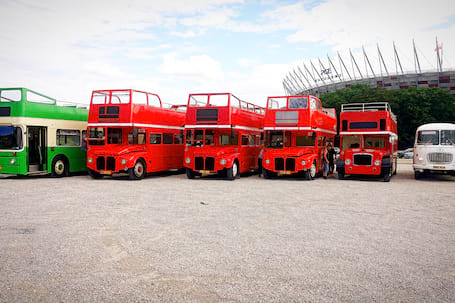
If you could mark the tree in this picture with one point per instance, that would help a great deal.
(413, 107)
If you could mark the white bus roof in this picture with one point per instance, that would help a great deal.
(436, 126)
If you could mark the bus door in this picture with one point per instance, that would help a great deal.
(37, 151)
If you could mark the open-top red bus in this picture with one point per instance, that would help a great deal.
(132, 132)
(296, 130)
(368, 140)
(223, 135)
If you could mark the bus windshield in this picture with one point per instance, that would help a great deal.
(447, 137)
(428, 137)
(374, 141)
(353, 141)
(10, 137)
(201, 137)
(96, 136)
(274, 139)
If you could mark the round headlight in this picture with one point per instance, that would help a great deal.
(90, 160)
(347, 161)
(267, 161)
(222, 161)
(187, 160)
(377, 162)
(123, 161)
(303, 162)
(12, 161)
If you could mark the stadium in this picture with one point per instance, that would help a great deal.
(338, 73)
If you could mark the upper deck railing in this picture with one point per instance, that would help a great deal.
(222, 100)
(368, 107)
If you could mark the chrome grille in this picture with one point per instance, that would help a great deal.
(440, 157)
(362, 159)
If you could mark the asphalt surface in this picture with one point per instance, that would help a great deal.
(170, 239)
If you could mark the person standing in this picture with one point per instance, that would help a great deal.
(331, 157)
(325, 161)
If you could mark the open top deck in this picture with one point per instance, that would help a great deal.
(128, 107)
(222, 110)
(303, 112)
(375, 117)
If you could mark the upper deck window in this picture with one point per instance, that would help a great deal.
(121, 97)
(430, 137)
(313, 104)
(219, 100)
(33, 97)
(154, 100)
(100, 98)
(277, 103)
(139, 98)
(198, 100)
(11, 95)
(300, 102)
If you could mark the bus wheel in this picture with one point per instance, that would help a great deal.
(233, 172)
(311, 173)
(268, 174)
(417, 175)
(190, 174)
(396, 165)
(94, 174)
(387, 174)
(138, 171)
(341, 174)
(59, 167)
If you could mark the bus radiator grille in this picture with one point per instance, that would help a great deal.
(440, 157)
(362, 159)
(290, 164)
(199, 163)
(100, 163)
(110, 165)
(279, 164)
(209, 163)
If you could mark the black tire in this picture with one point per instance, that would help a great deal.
(60, 167)
(138, 171)
(396, 165)
(341, 174)
(190, 174)
(94, 174)
(417, 175)
(268, 174)
(311, 173)
(233, 172)
(387, 174)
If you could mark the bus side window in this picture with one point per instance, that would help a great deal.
(167, 138)
(84, 141)
(244, 140)
(178, 139)
(155, 138)
(287, 139)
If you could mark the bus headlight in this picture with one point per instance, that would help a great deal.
(303, 162)
(187, 160)
(123, 161)
(12, 161)
(222, 161)
(347, 161)
(90, 160)
(267, 161)
(377, 162)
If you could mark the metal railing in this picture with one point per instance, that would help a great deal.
(368, 107)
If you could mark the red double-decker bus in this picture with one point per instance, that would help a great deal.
(296, 130)
(368, 140)
(223, 135)
(132, 132)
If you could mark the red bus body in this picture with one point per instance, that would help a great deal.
(296, 130)
(223, 135)
(130, 131)
(368, 140)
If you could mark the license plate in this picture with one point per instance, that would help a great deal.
(106, 172)
(204, 172)
(440, 167)
(284, 172)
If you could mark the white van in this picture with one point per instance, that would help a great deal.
(434, 149)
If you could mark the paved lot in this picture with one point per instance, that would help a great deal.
(167, 238)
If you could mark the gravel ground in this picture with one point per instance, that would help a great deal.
(169, 239)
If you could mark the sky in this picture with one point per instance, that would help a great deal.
(67, 49)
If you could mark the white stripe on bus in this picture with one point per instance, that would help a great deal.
(223, 126)
(133, 125)
(300, 128)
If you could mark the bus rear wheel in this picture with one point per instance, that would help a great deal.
(59, 167)
(233, 172)
(138, 171)
(94, 174)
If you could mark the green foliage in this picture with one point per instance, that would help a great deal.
(413, 107)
